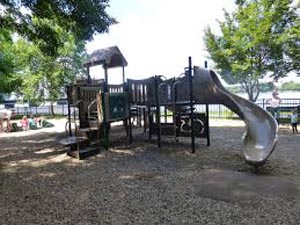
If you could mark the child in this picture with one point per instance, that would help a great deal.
(294, 120)
(25, 123)
(38, 121)
(33, 123)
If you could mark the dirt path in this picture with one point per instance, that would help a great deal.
(141, 184)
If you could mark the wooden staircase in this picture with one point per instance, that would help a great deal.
(85, 140)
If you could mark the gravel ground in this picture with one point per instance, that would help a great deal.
(141, 184)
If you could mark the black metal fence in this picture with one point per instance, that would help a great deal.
(286, 105)
(215, 111)
(222, 112)
(60, 110)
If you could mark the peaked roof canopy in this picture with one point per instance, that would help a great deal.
(110, 57)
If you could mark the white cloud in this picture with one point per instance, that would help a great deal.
(157, 36)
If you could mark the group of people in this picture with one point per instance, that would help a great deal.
(275, 110)
(31, 123)
(26, 123)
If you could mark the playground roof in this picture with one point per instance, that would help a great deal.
(110, 57)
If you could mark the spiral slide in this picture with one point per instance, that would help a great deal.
(260, 137)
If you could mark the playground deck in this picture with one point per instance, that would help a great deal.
(141, 184)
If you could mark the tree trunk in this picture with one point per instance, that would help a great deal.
(51, 109)
(252, 91)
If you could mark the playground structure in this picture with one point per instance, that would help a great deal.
(96, 105)
(100, 104)
(149, 97)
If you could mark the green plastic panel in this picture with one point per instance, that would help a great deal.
(116, 106)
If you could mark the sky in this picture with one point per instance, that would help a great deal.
(157, 36)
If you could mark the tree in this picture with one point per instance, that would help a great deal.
(253, 43)
(45, 76)
(293, 47)
(9, 80)
(290, 86)
(82, 18)
(34, 20)
(266, 87)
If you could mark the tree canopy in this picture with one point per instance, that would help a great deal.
(44, 76)
(83, 18)
(43, 43)
(290, 86)
(258, 39)
(9, 79)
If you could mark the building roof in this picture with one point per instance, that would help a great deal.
(110, 57)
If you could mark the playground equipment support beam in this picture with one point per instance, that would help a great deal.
(207, 115)
(207, 125)
(69, 113)
(191, 103)
(129, 125)
(105, 78)
(123, 74)
(174, 110)
(157, 111)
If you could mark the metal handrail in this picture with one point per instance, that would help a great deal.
(89, 107)
(75, 104)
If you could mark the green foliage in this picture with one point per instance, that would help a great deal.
(50, 50)
(293, 47)
(1, 99)
(254, 41)
(290, 86)
(9, 81)
(82, 18)
(234, 89)
(266, 87)
(5, 57)
(44, 75)
(28, 70)
(263, 87)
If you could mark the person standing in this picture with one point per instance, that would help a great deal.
(275, 102)
(25, 123)
(294, 120)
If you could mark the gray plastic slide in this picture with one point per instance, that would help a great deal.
(260, 137)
